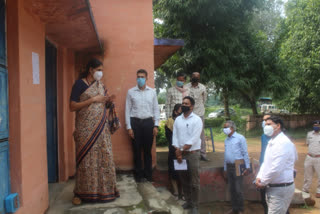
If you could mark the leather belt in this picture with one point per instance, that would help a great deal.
(280, 185)
(140, 120)
(190, 152)
(314, 156)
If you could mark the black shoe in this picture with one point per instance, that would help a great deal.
(186, 206)
(204, 158)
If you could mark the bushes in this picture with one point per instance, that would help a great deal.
(214, 122)
(161, 137)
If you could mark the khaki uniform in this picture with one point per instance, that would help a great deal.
(312, 163)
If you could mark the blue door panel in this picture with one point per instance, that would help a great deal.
(4, 174)
(4, 125)
(2, 34)
(51, 108)
(4, 117)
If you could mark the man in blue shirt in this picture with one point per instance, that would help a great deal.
(235, 149)
(264, 142)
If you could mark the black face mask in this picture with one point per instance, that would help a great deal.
(194, 80)
(185, 109)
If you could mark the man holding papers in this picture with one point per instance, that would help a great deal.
(235, 147)
(186, 139)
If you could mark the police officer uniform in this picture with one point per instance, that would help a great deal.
(312, 161)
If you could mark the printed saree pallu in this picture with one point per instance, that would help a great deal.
(95, 176)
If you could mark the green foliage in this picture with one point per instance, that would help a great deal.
(224, 42)
(214, 122)
(300, 50)
(161, 137)
(162, 98)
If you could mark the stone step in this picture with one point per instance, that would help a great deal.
(302, 198)
(159, 201)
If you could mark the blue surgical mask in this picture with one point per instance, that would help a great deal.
(263, 124)
(141, 81)
(179, 83)
(316, 128)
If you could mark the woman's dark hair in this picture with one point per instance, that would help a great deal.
(175, 108)
(93, 63)
(277, 120)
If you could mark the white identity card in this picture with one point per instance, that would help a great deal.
(180, 166)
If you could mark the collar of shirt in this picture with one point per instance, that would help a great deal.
(138, 89)
(273, 140)
(186, 118)
(233, 135)
(314, 132)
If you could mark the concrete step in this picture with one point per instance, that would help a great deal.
(302, 198)
(159, 200)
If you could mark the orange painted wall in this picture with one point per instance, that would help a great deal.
(27, 109)
(126, 28)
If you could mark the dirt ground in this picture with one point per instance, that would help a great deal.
(254, 148)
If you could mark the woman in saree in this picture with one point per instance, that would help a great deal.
(95, 120)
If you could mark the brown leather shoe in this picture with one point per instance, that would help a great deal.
(317, 195)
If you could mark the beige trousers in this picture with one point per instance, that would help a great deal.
(311, 165)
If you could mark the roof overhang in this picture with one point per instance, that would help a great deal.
(68, 23)
(164, 49)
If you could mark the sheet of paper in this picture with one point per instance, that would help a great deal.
(35, 68)
(180, 166)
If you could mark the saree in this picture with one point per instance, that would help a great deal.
(95, 174)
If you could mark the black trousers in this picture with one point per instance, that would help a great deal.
(263, 200)
(235, 188)
(173, 174)
(143, 139)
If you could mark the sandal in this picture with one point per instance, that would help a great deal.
(76, 201)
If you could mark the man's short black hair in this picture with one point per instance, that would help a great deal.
(190, 99)
(277, 120)
(180, 74)
(142, 71)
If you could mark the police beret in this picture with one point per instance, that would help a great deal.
(316, 122)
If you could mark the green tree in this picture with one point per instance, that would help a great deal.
(300, 50)
(222, 43)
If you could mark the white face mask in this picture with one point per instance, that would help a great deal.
(268, 130)
(97, 75)
(263, 124)
(227, 131)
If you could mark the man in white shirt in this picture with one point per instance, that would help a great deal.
(198, 92)
(186, 139)
(277, 171)
(142, 120)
